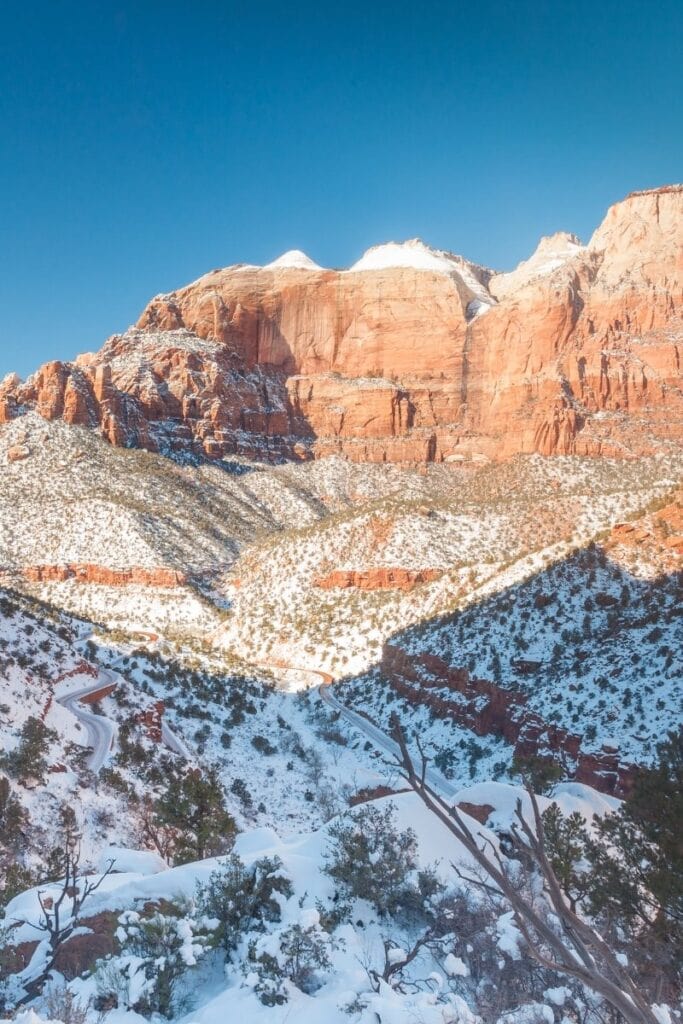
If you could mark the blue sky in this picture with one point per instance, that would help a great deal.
(146, 143)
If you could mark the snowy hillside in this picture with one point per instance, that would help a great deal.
(315, 953)
(478, 535)
(202, 670)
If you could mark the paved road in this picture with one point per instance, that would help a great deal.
(434, 779)
(101, 731)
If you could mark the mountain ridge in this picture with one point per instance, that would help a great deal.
(413, 355)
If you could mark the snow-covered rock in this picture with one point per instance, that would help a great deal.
(293, 259)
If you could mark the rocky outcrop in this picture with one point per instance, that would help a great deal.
(376, 579)
(151, 720)
(17, 453)
(410, 356)
(480, 812)
(94, 939)
(83, 572)
(491, 710)
(82, 668)
(658, 535)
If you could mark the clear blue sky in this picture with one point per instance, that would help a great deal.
(145, 143)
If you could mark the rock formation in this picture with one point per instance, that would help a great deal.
(410, 356)
(376, 579)
(103, 575)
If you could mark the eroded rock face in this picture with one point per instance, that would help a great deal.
(376, 579)
(18, 452)
(659, 535)
(410, 356)
(103, 575)
(491, 710)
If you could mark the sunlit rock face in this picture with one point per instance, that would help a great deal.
(412, 355)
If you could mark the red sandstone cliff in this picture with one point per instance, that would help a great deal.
(88, 573)
(490, 710)
(410, 356)
(376, 579)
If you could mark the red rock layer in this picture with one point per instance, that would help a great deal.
(17, 453)
(151, 720)
(490, 710)
(95, 695)
(579, 355)
(376, 579)
(88, 573)
(659, 536)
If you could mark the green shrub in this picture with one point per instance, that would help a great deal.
(241, 899)
(302, 955)
(371, 859)
(162, 946)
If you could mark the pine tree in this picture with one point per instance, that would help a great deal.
(28, 760)
(565, 839)
(636, 858)
(193, 807)
(14, 826)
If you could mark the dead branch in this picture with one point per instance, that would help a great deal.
(576, 950)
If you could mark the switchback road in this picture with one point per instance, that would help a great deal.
(101, 731)
(434, 779)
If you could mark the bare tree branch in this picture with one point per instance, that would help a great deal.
(577, 951)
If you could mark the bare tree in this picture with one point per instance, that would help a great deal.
(570, 946)
(60, 914)
(395, 964)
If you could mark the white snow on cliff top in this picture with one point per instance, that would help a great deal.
(293, 259)
(552, 252)
(413, 254)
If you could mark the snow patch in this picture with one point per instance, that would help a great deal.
(293, 259)
(413, 254)
(455, 966)
(142, 862)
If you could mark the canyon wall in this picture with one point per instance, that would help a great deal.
(410, 356)
(491, 710)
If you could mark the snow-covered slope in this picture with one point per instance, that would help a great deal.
(444, 981)
(552, 252)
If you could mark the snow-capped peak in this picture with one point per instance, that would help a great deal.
(293, 259)
(413, 254)
(551, 253)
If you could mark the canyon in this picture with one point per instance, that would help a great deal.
(450, 496)
(410, 356)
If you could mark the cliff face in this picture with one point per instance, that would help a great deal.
(409, 356)
(490, 710)
(376, 579)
